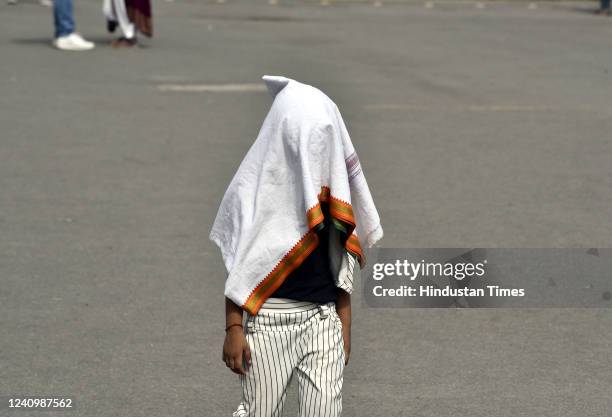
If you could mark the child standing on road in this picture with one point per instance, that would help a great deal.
(291, 228)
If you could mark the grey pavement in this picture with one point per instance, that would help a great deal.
(476, 127)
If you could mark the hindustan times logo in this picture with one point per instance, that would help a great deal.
(414, 270)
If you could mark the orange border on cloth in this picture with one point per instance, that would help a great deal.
(290, 262)
(339, 209)
(342, 210)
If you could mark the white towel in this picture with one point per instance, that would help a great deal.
(303, 155)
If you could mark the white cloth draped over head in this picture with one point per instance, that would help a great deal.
(303, 158)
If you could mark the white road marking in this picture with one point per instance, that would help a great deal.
(475, 108)
(168, 78)
(211, 88)
(511, 108)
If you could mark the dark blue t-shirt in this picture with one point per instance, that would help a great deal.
(313, 280)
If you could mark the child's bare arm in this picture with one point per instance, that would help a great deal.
(235, 346)
(343, 307)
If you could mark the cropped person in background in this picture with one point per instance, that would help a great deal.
(66, 38)
(132, 17)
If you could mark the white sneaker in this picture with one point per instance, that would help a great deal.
(73, 42)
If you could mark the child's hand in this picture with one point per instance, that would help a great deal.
(346, 336)
(343, 308)
(235, 348)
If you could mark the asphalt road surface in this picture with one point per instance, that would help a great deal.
(477, 126)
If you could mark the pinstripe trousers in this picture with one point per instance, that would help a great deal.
(287, 339)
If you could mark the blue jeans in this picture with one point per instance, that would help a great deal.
(63, 17)
(605, 4)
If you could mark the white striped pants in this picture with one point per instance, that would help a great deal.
(287, 338)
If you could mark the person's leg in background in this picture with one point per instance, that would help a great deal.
(604, 7)
(111, 18)
(125, 24)
(66, 38)
(63, 17)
